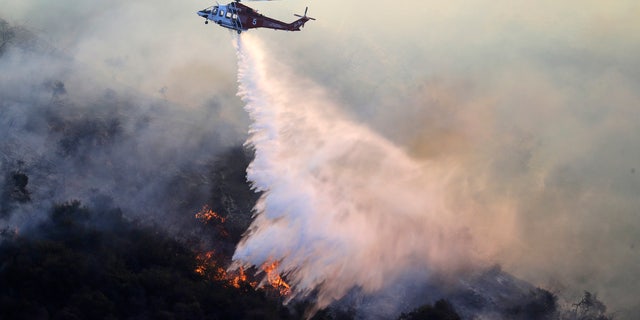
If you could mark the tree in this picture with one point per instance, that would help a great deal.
(588, 308)
(6, 35)
(441, 310)
(85, 263)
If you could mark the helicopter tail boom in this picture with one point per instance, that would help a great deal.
(296, 25)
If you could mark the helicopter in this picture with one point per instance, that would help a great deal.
(239, 17)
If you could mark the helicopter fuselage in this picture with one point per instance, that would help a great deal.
(239, 17)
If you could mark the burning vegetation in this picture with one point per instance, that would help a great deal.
(274, 280)
(211, 264)
(207, 216)
(86, 263)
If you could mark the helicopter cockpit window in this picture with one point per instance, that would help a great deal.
(215, 10)
(222, 13)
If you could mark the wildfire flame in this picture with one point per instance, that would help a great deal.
(275, 280)
(207, 215)
(240, 278)
(209, 263)
(208, 266)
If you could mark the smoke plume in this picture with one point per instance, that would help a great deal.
(69, 134)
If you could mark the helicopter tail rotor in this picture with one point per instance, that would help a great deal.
(305, 14)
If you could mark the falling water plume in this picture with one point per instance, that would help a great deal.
(341, 206)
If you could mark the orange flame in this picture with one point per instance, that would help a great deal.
(208, 266)
(208, 263)
(207, 215)
(240, 278)
(274, 279)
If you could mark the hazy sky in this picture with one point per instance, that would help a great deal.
(535, 103)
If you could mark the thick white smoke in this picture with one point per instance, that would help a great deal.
(342, 207)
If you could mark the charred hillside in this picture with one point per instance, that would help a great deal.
(84, 263)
